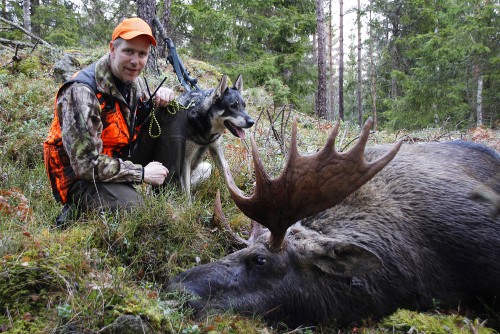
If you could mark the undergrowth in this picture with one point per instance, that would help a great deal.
(82, 278)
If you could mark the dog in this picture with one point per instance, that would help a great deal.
(210, 112)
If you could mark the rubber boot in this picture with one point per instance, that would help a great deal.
(68, 213)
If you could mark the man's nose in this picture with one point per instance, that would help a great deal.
(134, 59)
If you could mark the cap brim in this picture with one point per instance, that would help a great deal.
(132, 34)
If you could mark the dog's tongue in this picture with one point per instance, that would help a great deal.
(240, 132)
(235, 130)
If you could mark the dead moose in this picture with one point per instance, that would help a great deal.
(357, 235)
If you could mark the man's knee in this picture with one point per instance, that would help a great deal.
(102, 196)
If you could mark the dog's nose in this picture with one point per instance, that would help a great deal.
(250, 121)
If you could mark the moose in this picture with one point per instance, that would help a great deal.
(356, 235)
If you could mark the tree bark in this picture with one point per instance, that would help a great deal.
(27, 17)
(146, 10)
(359, 85)
(331, 76)
(165, 21)
(341, 60)
(35, 28)
(321, 93)
(4, 9)
(372, 75)
(479, 98)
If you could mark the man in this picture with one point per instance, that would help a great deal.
(100, 143)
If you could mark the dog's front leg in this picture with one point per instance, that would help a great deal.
(186, 179)
(217, 155)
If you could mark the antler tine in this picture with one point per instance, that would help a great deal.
(220, 221)
(359, 147)
(357, 152)
(307, 185)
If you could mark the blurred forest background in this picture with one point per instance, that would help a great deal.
(410, 64)
(425, 70)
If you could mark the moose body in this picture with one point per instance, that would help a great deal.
(409, 238)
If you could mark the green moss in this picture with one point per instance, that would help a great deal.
(29, 66)
(410, 321)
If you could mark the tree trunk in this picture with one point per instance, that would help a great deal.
(359, 85)
(27, 17)
(4, 9)
(394, 49)
(479, 100)
(331, 95)
(372, 75)
(35, 28)
(146, 10)
(321, 94)
(165, 21)
(341, 61)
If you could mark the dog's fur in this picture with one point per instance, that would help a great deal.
(210, 112)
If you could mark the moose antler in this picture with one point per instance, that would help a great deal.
(220, 221)
(308, 184)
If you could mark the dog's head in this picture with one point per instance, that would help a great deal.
(229, 108)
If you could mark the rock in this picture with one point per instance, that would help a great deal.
(65, 67)
(128, 324)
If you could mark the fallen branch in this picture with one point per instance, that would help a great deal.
(15, 44)
(6, 47)
(27, 33)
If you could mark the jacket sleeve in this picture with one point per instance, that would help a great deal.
(79, 112)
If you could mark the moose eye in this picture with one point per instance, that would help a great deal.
(260, 260)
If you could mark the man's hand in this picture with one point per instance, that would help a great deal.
(155, 173)
(163, 96)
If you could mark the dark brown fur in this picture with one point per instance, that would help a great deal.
(409, 238)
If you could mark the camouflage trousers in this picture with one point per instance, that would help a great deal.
(167, 146)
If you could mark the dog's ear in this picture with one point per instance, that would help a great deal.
(221, 88)
(239, 83)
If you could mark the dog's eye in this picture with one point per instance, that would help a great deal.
(235, 104)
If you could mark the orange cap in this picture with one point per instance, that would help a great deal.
(133, 27)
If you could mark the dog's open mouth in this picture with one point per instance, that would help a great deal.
(235, 130)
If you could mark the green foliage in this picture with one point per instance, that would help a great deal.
(262, 40)
(25, 113)
(28, 66)
(279, 91)
(429, 71)
(409, 321)
(57, 22)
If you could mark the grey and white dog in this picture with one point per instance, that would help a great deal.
(210, 112)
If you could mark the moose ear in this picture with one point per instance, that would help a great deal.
(239, 83)
(342, 258)
(221, 88)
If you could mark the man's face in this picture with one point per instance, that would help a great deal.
(129, 57)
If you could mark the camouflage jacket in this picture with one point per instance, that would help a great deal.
(79, 113)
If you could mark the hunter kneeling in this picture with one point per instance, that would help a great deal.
(98, 146)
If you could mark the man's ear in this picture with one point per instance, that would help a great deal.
(339, 257)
